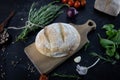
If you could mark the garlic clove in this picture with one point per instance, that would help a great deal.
(77, 59)
(82, 70)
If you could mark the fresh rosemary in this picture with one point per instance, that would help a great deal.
(39, 18)
(66, 76)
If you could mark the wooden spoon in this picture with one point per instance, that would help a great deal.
(6, 21)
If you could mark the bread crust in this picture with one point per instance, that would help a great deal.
(57, 40)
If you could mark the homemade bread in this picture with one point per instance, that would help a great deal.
(57, 40)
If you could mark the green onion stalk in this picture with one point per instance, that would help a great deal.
(39, 18)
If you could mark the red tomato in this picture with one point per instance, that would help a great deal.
(77, 4)
(43, 77)
(71, 3)
(64, 1)
(83, 3)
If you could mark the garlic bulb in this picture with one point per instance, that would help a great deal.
(82, 70)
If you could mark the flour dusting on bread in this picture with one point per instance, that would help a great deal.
(57, 40)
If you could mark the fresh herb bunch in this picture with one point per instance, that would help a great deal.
(39, 18)
(112, 42)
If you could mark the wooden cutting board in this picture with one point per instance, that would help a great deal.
(46, 64)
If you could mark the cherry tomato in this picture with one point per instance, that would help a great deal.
(77, 4)
(83, 3)
(43, 77)
(64, 1)
(71, 3)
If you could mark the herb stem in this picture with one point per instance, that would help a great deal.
(103, 58)
(65, 76)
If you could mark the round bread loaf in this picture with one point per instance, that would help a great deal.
(57, 40)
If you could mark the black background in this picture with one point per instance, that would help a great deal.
(15, 52)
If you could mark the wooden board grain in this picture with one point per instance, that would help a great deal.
(46, 64)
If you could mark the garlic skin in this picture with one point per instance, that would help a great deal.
(77, 59)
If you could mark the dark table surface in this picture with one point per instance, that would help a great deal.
(23, 69)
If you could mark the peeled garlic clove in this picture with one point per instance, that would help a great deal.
(77, 59)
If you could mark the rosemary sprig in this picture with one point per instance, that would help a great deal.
(66, 76)
(39, 18)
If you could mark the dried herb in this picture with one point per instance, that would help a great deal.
(39, 18)
(4, 36)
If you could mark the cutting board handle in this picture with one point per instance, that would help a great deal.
(85, 28)
(91, 25)
(88, 26)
